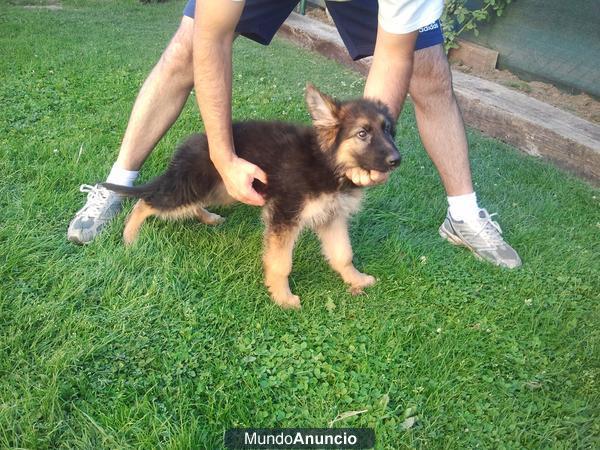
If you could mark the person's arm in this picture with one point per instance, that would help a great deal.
(214, 32)
(391, 69)
(388, 81)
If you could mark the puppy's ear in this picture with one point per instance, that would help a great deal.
(323, 109)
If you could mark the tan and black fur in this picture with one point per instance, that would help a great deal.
(306, 183)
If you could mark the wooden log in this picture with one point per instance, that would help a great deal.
(474, 55)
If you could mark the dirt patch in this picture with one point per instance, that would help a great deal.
(581, 105)
(320, 14)
(52, 5)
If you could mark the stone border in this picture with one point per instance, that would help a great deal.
(532, 126)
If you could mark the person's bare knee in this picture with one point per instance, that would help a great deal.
(431, 82)
(177, 57)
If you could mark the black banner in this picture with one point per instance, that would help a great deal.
(300, 438)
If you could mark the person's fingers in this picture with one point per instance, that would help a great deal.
(252, 198)
(378, 177)
(233, 190)
(365, 179)
(245, 197)
(375, 176)
(353, 174)
(260, 174)
(362, 177)
(359, 176)
(248, 194)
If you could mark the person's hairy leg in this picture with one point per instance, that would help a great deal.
(388, 82)
(160, 99)
(439, 119)
(443, 135)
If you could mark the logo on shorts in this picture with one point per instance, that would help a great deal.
(432, 26)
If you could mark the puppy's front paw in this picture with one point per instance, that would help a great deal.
(279, 289)
(214, 219)
(288, 301)
(129, 238)
(361, 281)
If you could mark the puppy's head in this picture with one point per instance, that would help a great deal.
(356, 133)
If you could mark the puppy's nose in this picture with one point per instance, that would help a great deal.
(393, 160)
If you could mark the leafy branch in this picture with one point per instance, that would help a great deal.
(458, 17)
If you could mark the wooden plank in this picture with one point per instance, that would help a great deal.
(532, 126)
(474, 55)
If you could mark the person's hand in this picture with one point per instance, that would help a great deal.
(362, 177)
(238, 175)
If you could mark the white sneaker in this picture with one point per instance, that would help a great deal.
(483, 238)
(101, 206)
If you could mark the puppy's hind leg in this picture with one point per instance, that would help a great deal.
(335, 242)
(207, 217)
(140, 212)
(277, 259)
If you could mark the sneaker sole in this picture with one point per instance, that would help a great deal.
(75, 240)
(454, 240)
(459, 243)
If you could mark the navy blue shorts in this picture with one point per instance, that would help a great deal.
(355, 20)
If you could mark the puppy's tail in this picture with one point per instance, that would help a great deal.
(141, 191)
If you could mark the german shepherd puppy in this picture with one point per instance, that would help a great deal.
(306, 183)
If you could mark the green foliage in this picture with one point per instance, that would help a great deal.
(460, 16)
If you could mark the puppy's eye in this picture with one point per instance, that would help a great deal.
(362, 134)
(387, 128)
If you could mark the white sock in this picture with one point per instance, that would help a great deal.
(464, 207)
(122, 177)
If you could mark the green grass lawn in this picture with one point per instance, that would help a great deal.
(173, 341)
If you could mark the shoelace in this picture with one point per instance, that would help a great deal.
(491, 230)
(97, 196)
